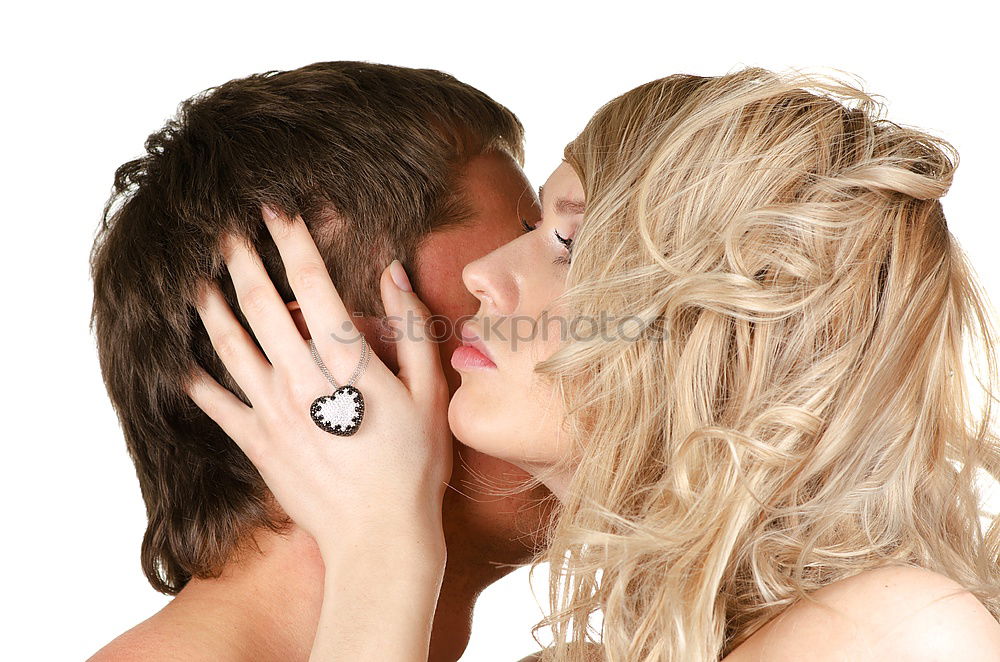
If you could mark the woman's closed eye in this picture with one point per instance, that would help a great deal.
(566, 242)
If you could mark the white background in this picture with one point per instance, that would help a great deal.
(85, 83)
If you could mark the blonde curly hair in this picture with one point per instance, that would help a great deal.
(796, 409)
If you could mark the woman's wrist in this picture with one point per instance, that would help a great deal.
(380, 594)
(411, 572)
(416, 543)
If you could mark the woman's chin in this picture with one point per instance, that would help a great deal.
(478, 427)
(479, 423)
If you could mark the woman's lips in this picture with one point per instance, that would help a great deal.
(468, 357)
(472, 354)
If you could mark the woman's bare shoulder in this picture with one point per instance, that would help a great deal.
(593, 649)
(893, 612)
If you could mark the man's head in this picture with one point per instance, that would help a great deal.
(381, 162)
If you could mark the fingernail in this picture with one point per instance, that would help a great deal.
(399, 276)
(269, 212)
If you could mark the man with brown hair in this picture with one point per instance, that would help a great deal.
(381, 162)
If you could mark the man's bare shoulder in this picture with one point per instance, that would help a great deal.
(157, 639)
(135, 644)
(892, 612)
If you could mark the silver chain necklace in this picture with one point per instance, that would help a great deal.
(340, 413)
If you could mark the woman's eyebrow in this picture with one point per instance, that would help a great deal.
(569, 207)
(564, 206)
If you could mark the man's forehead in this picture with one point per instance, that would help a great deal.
(495, 179)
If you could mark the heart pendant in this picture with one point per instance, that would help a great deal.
(339, 413)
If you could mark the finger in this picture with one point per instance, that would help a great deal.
(232, 343)
(266, 313)
(228, 411)
(331, 327)
(417, 350)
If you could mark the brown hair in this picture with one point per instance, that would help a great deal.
(370, 155)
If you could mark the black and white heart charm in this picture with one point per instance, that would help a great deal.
(339, 413)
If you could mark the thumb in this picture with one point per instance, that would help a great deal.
(416, 351)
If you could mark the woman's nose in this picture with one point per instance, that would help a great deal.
(492, 284)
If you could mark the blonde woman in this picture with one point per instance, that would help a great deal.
(744, 381)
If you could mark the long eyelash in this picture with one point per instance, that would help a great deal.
(568, 243)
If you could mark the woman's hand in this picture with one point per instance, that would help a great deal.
(395, 467)
(365, 498)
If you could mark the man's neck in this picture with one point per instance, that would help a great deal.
(466, 575)
(265, 606)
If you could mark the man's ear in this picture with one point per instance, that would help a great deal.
(373, 328)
